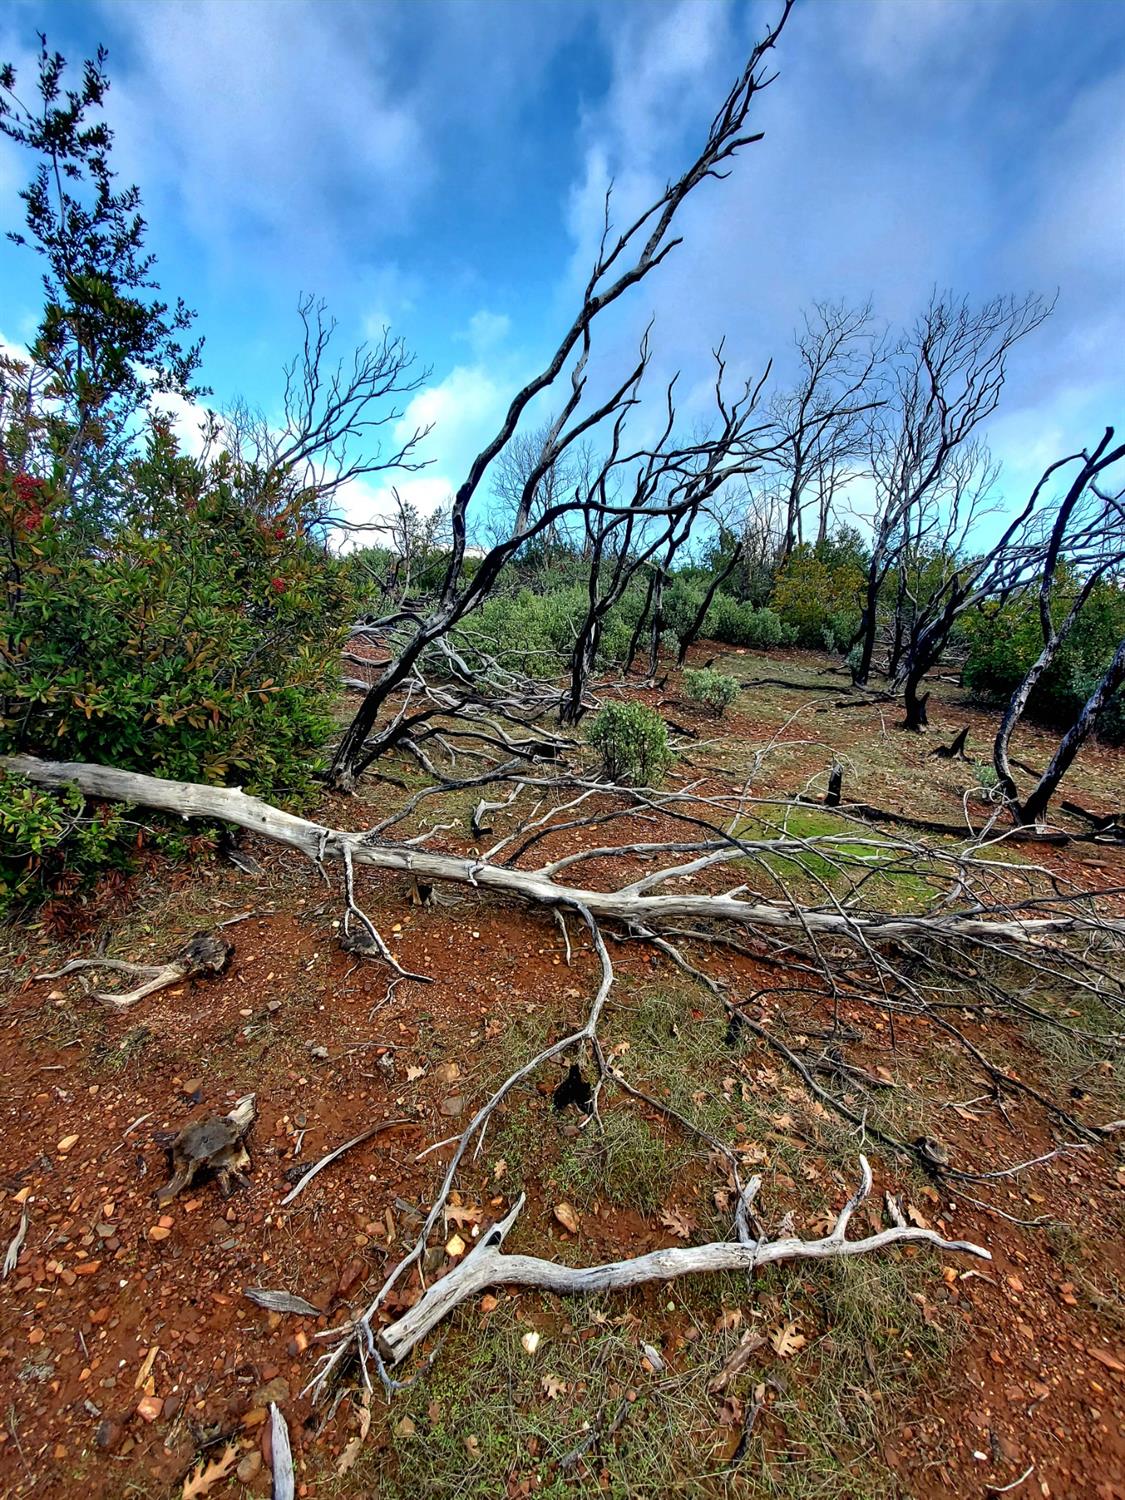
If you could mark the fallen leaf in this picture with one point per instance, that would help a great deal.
(463, 1213)
(413, 1073)
(566, 1217)
(916, 1217)
(553, 1386)
(677, 1223)
(787, 1341)
(209, 1474)
(352, 1449)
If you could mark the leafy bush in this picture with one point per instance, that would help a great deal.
(633, 741)
(714, 690)
(683, 599)
(818, 592)
(1004, 641)
(198, 640)
(41, 831)
(738, 624)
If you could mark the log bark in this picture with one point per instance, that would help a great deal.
(188, 799)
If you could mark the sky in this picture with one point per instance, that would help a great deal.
(439, 166)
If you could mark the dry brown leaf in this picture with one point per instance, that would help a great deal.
(413, 1073)
(786, 1341)
(566, 1216)
(352, 1449)
(204, 1479)
(365, 1415)
(553, 1386)
(917, 1217)
(677, 1223)
(463, 1213)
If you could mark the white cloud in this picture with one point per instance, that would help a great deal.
(464, 411)
(486, 330)
(278, 122)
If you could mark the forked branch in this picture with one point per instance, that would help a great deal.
(487, 1265)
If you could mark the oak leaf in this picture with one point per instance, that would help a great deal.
(786, 1341)
(677, 1223)
(203, 1480)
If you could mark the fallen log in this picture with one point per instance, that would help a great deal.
(635, 907)
(486, 1265)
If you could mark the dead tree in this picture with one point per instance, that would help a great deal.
(334, 414)
(671, 486)
(947, 379)
(623, 260)
(818, 422)
(1089, 526)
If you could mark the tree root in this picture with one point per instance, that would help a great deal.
(205, 956)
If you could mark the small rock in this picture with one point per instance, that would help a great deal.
(276, 1389)
(453, 1105)
(249, 1467)
(67, 1143)
(320, 1053)
(159, 1232)
(108, 1435)
(149, 1408)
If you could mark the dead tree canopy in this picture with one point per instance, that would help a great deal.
(944, 381)
(1088, 531)
(624, 259)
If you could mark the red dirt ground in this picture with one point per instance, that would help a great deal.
(125, 1341)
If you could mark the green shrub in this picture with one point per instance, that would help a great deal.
(714, 690)
(41, 831)
(818, 592)
(633, 741)
(197, 640)
(1004, 641)
(738, 624)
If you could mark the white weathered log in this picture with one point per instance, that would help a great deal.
(281, 1456)
(192, 800)
(486, 1265)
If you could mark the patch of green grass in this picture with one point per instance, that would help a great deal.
(626, 1162)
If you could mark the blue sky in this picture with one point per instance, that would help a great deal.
(439, 165)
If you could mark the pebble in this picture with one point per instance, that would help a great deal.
(149, 1408)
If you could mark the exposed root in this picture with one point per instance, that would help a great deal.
(206, 955)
